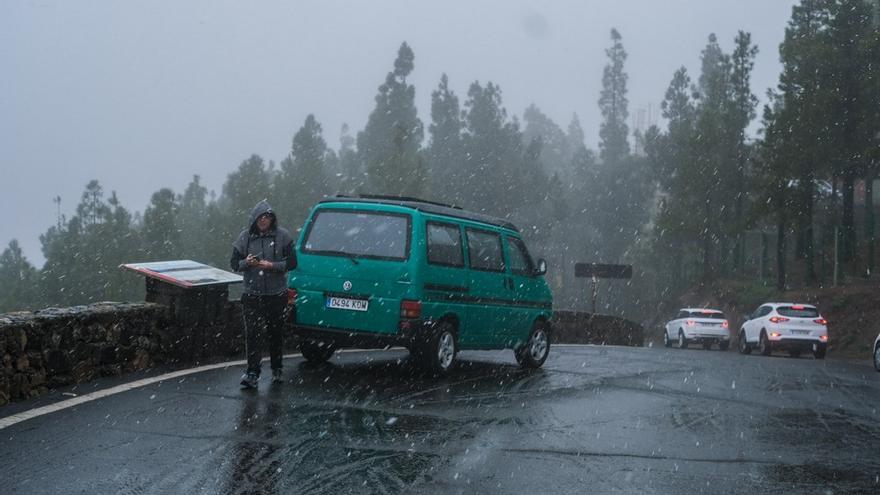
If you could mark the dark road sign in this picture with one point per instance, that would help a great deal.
(599, 270)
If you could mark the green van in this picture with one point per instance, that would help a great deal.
(380, 271)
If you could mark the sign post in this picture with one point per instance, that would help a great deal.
(595, 271)
(193, 292)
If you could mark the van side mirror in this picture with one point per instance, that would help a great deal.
(542, 267)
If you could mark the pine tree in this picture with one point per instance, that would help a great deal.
(243, 188)
(389, 144)
(352, 174)
(556, 151)
(192, 222)
(714, 174)
(613, 132)
(18, 281)
(445, 156)
(161, 234)
(743, 113)
(302, 180)
(849, 26)
(493, 150)
(804, 108)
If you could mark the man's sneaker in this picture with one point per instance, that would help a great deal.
(277, 376)
(250, 380)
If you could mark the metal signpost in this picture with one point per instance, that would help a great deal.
(194, 292)
(595, 271)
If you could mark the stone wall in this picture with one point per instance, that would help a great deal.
(64, 346)
(570, 327)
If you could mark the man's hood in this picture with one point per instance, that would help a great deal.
(261, 208)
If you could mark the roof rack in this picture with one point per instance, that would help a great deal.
(408, 199)
(426, 206)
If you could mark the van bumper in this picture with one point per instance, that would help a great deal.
(408, 332)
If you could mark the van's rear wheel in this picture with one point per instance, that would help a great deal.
(536, 349)
(437, 355)
(316, 352)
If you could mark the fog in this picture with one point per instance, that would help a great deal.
(143, 95)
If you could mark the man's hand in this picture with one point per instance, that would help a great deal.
(252, 260)
(264, 265)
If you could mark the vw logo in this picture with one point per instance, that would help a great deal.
(346, 285)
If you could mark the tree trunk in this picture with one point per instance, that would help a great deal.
(780, 252)
(707, 242)
(869, 220)
(807, 225)
(780, 238)
(848, 218)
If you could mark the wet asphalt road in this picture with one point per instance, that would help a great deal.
(593, 420)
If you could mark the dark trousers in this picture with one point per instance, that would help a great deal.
(263, 324)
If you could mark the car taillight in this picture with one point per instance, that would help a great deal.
(823, 338)
(725, 324)
(291, 297)
(821, 321)
(691, 323)
(778, 319)
(797, 306)
(410, 309)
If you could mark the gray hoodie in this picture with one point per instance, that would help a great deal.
(275, 245)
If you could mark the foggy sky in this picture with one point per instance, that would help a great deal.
(142, 95)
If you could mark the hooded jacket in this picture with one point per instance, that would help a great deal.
(274, 245)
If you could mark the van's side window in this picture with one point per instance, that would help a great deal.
(444, 245)
(520, 261)
(485, 250)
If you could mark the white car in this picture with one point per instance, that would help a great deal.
(877, 353)
(698, 326)
(793, 327)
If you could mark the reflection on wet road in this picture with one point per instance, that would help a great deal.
(594, 419)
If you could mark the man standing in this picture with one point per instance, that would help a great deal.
(264, 253)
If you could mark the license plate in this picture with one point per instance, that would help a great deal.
(349, 304)
(800, 332)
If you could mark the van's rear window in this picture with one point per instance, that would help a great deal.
(359, 234)
(798, 311)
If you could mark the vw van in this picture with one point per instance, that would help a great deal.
(379, 271)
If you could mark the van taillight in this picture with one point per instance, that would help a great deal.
(291, 297)
(410, 309)
(725, 324)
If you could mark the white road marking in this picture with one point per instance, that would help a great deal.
(100, 394)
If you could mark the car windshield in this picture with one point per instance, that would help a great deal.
(359, 234)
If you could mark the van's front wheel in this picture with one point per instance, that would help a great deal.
(536, 349)
(437, 355)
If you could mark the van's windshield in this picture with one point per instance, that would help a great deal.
(359, 234)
